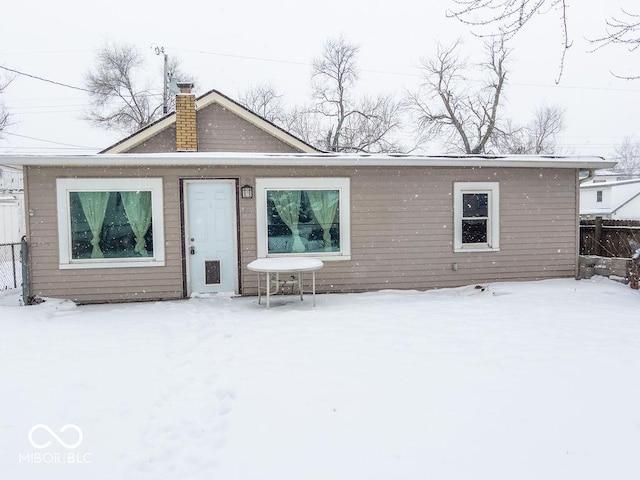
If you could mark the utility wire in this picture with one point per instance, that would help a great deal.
(49, 141)
(36, 77)
(47, 80)
(396, 73)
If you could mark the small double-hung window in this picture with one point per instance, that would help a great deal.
(476, 216)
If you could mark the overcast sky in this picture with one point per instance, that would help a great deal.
(229, 46)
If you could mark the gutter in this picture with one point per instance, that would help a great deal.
(305, 160)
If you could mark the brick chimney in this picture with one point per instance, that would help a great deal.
(186, 128)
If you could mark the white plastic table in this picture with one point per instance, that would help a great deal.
(279, 265)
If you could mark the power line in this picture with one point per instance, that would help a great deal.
(42, 79)
(396, 73)
(243, 57)
(47, 80)
(49, 141)
(44, 52)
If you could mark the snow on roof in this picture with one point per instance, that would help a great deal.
(307, 159)
(600, 186)
(7, 198)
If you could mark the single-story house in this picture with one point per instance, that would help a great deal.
(614, 200)
(127, 225)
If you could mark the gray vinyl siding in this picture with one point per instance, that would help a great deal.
(401, 231)
(219, 130)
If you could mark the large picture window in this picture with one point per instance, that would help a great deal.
(304, 216)
(110, 222)
(476, 216)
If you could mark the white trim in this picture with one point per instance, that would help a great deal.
(66, 185)
(493, 227)
(343, 185)
(142, 136)
(302, 160)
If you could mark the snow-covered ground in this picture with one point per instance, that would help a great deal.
(519, 381)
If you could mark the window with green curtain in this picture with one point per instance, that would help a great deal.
(111, 224)
(303, 221)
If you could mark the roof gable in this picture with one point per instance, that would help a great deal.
(164, 131)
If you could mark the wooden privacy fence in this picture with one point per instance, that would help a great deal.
(609, 238)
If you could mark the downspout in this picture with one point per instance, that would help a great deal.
(592, 173)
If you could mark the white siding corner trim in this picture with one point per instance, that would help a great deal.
(492, 190)
(64, 186)
(263, 185)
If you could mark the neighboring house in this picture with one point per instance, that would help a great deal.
(145, 226)
(615, 200)
(12, 225)
(10, 179)
(11, 217)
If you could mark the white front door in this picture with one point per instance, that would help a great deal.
(211, 236)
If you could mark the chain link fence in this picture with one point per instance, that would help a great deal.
(10, 266)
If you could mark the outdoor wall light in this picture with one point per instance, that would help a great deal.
(246, 191)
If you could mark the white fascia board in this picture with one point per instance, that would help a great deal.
(140, 137)
(598, 212)
(302, 160)
(600, 186)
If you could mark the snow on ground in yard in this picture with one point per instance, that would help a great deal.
(536, 380)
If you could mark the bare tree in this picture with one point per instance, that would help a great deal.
(372, 131)
(264, 100)
(300, 121)
(548, 122)
(333, 78)
(623, 30)
(336, 119)
(120, 99)
(122, 96)
(628, 157)
(538, 137)
(175, 73)
(4, 114)
(507, 17)
(345, 122)
(446, 105)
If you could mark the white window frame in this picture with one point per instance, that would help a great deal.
(599, 196)
(64, 186)
(493, 222)
(343, 185)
